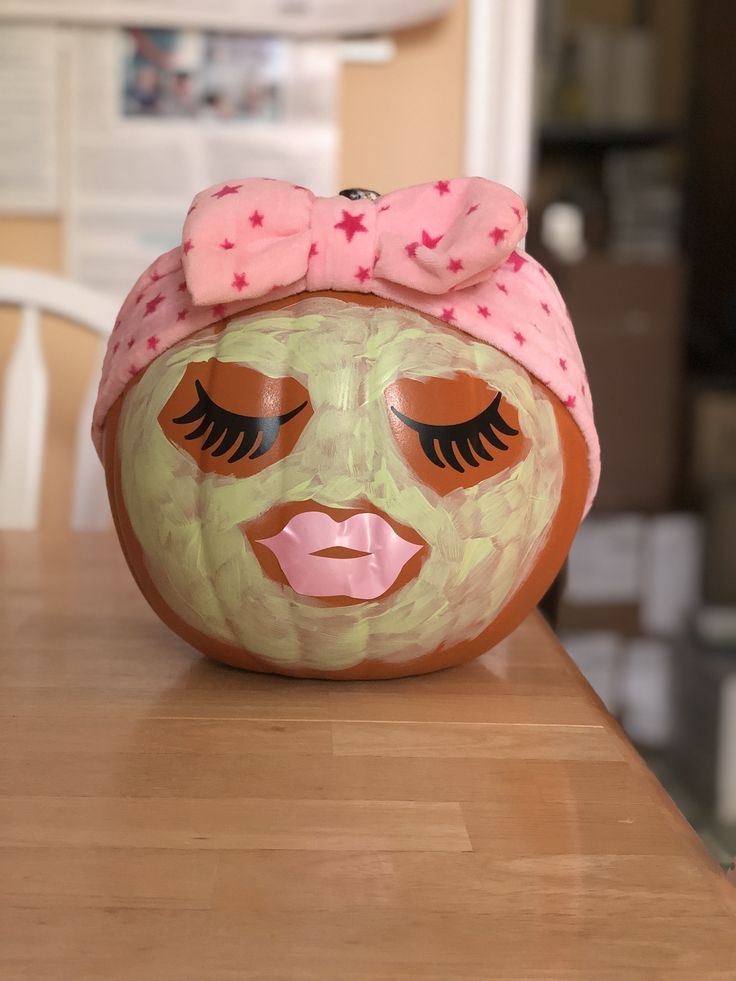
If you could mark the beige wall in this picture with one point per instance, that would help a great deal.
(401, 123)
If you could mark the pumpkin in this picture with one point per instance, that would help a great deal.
(346, 438)
(334, 486)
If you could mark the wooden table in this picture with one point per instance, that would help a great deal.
(163, 817)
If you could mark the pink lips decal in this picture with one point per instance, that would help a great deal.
(361, 577)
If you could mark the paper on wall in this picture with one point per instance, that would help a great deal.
(159, 114)
(28, 120)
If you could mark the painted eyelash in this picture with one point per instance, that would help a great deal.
(465, 436)
(227, 427)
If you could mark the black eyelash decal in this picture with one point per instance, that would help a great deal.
(464, 436)
(226, 427)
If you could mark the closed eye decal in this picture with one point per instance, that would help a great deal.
(465, 437)
(454, 431)
(230, 429)
(233, 420)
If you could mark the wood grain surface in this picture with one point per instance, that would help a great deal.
(166, 818)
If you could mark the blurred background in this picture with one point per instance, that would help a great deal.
(613, 118)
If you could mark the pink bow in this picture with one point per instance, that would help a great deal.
(246, 238)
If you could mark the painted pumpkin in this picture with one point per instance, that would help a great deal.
(335, 483)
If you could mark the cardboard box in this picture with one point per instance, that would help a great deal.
(720, 545)
(714, 438)
(623, 619)
(628, 319)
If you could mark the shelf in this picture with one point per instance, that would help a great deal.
(596, 139)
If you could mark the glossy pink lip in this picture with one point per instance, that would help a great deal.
(362, 577)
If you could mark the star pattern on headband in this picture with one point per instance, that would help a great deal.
(256, 219)
(431, 241)
(227, 189)
(516, 261)
(351, 224)
(153, 304)
(363, 273)
(442, 187)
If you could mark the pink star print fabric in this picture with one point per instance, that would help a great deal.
(448, 249)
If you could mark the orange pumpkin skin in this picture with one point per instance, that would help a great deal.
(549, 558)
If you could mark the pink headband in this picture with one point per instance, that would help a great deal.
(447, 249)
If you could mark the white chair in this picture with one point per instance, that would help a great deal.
(24, 397)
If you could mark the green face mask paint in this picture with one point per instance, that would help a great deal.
(481, 541)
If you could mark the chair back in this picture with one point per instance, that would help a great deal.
(23, 408)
